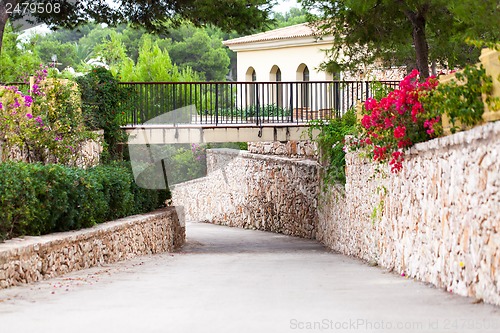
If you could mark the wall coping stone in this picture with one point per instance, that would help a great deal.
(273, 158)
(19, 243)
(477, 133)
(245, 154)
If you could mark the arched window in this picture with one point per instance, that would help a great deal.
(305, 90)
(305, 74)
(276, 97)
(250, 75)
(251, 91)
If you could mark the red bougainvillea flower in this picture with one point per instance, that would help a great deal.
(388, 122)
(370, 104)
(399, 132)
(396, 161)
(366, 121)
(398, 120)
(429, 124)
(379, 153)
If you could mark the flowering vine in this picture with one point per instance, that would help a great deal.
(398, 121)
(44, 125)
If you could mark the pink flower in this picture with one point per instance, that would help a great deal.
(16, 103)
(399, 132)
(370, 104)
(29, 115)
(366, 121)
(28, 100)
(388, 123)
(379, 153)
(39, 121)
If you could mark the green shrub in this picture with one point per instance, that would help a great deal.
(103, 103)
(39, 199)
(460, 99)
(116, 189)
(331, 144)
(269, 110)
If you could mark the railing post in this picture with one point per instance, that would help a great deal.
(257, 104)
(216, 104)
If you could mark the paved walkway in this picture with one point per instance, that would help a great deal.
(233, 280)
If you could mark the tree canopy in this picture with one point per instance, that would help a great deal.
(155, 16)
(416, 33)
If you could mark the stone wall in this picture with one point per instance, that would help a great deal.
(247, 190)
(436, 221)
(303, 148)
(36, 258)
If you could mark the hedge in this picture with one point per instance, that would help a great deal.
(38, 199)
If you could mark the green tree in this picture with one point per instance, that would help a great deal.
(292, 17)
(46, 48)
(413, 32)
(481, 18)
(154, 65)
(203, 54)
(155, 16)
(112, 51)
(17, 59)
(131, 39)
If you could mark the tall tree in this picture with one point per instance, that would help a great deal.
(412, 32)
(155, 16)
(203, 54)
(154, 65)
(65, 52)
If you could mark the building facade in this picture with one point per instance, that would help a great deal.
(293, 56)
(286, 54)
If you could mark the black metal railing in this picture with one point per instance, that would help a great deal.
(242, 102)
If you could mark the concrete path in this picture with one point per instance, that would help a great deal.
(233, 280)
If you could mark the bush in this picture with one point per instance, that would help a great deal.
(39, 199)
(461, 99)
(269, 110)
(44, 126)
(331, 144)
(398, 121)
(103, 103)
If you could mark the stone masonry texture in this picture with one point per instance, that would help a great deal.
(437, 221)
(303, 148)
(35, 258)
(253, 191)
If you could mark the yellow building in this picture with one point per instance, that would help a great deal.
(287, 54)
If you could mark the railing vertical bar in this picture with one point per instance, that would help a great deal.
(216, 104)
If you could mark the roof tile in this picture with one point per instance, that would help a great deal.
(298, 30)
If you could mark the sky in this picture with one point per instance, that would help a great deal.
(284, 6)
